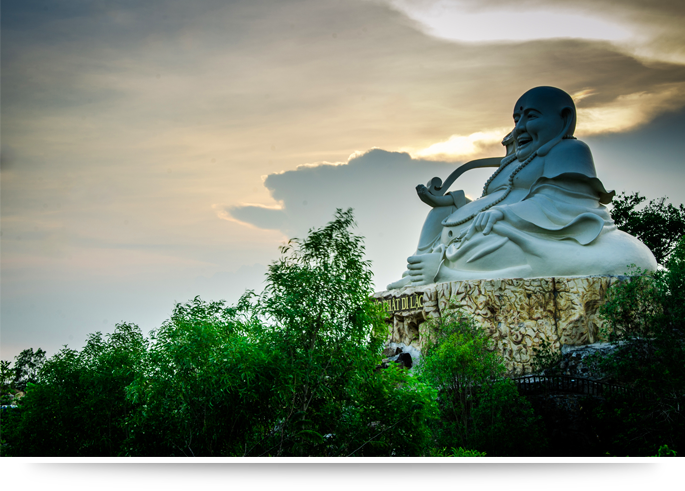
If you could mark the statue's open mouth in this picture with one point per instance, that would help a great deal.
(522, 141)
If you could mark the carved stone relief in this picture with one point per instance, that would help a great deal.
(518, 314)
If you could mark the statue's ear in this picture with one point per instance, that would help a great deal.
(568, 117)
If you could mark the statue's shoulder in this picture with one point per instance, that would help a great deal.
(569, 156)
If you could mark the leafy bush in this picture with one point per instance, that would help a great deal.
(77, 406)
(646, 321)
(291, 372)
(658, 225)
(479, 407)
(645, 316)
(664, 451)
(205, 385)
(456, 452)
(27, 365)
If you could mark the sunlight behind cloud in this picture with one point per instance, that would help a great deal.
(625, 113)
(459, 147)
(457, 22)
(628, 111)
(319, 164)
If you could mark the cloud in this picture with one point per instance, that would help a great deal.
(379, 185)
(266, 217)
(460, 147)
(7, 158)
(465, 22)
(124, 122)
(650, 29)
(629, 111)
(644, 159)
(310, 194)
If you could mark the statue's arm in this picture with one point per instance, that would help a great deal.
(437, 188)
(433, 194)
(453, 198)
(432, 200)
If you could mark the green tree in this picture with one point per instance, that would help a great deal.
(317, 303)
(27, 365)
(645, 318)
(7, 389)
(318, 306)
(77, 405)
(479, 407)
(206, 385)
(658, 225)
(290, 372)
(7, 378)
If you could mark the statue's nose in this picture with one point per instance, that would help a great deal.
(519, 127)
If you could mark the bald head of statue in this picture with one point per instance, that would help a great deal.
(543, 116)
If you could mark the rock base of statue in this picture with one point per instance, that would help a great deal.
(520, 315)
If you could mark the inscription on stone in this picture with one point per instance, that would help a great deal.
(403, 303)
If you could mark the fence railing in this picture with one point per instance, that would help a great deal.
(535, 384)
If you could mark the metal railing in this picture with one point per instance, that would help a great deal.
(535, 384)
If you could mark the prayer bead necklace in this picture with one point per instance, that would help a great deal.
(510, 185)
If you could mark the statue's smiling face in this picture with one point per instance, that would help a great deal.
(538, 118)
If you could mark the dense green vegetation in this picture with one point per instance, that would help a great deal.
(288, 373)
(295, 372)
(479, 407)
(659, 225)
(646, 316)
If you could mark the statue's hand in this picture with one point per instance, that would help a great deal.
(423, 268)
(484, 222)
(430, 199)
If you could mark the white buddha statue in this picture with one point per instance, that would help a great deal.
(542, 212)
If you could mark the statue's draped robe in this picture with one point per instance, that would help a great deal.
(555, 224)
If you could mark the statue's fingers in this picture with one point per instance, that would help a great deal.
(489, 225)
(482, 220)
(413, 259)
(474, 225)
(471, 231)
(478, 223)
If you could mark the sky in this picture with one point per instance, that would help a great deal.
(154, 151)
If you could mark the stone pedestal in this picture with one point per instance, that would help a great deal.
(518, 314)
